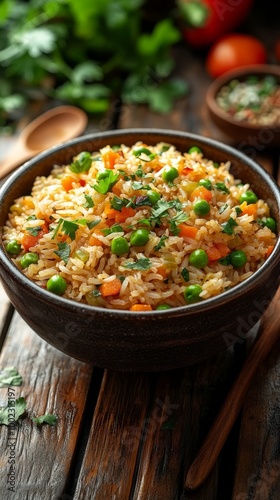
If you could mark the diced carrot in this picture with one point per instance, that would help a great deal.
(217, 251)
(248, 209)
(124, 214)
(93, 241)
(269, 250)
(141, 307)
(110, 288)
(28, 240)
(110, 158)
(109, 211)
(67, 182)
(201, 192)
(117, 188)
(223, 249)
(162, 271)
(187, 231)
(213, 253)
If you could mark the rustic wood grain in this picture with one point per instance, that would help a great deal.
(53, 383)
(116, 434)
(257, 474)
(228, 413)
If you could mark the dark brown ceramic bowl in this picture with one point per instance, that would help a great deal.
(258, 137)
(138, 341)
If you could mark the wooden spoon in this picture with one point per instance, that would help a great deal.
(53, 127)
(213, 444)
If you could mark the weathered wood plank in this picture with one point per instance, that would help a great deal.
(53, 383)
(116, 434)
(257, 474)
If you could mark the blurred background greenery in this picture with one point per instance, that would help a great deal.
(84, 52)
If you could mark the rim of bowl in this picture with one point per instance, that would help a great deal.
(220, 81)
(184, 310)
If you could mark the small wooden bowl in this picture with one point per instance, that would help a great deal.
(256, 136)
(141, 341)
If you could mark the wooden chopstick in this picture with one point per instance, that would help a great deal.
(213, 444)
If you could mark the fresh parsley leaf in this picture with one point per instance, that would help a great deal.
(18, 410)
(238, 211)
(119, 203)
(185, 274)
(69, 228)
(225, 261)
(228, 227)
(45, 419)
(31, 217)
(92, 223)
(139, 172)
(222, 187)
(106, 184)
(89, 201)
(161, 243)
(82, 164)
(9, 376)
(144, 154)
(177, 219)
(139, 265)
(63, 251)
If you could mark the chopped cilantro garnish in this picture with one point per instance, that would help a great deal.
(185, 274)
(89, 201)
(119, 203)
(139, 265)
(138, 185)
(116, 228)
(18, 409)
(225, 261)
(82, 164)
(161, 243)
(34, 231)
(106, 184)
(139, 172)
(177, 219)
(238, 211)
(228, 227)
(63, 251)
(221, 187)
(9, 376)
(69, 228)
(92, 223)
(45, 419)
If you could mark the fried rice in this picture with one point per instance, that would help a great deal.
(74, 218)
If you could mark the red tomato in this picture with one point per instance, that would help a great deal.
(232, 51)
(222, 16)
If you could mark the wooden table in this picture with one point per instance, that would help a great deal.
(123, 436)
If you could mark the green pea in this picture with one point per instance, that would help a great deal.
(216, 165)
(163, 307)
(270, 223)
(201, 207)
(139, 237)
(103, 174)
(29, 258)
(119, 246)
(194, 149)
(13, 247)
(153, 196)
(191, 293)
(237, 258)
(56, 284)
(206, 183)
(169, 174)
(199, 258)
(249, 197)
